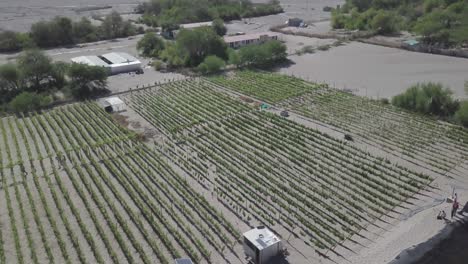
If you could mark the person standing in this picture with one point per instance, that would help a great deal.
(454, 208)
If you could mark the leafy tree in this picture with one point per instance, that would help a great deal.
(36, 68)
(218, 27)
(461, 116)
(58, 74)
(84, 31)
(384, 23)
(211, 64)
(9, 41)
(173, 56)
(26, 102)
(114, 26)
(150, 45)
(9, 77)
(264, 55)
(87, 81)
(199, 43)
(62, 28)
(234, 58)
(428, 98)
(42, 34)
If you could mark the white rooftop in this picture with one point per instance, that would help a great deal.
(230, 39)
(113, 101)
(196, 25)
(90, 60)
(119, 57)
(261, 237)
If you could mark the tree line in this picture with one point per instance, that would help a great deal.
(34, 81)
(167, 13)
(62, 31)
(204, 49)
(441, 23)
(435, 100)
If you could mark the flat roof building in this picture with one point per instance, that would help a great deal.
(115, 62)
(260, 245)
(196, 25)
(250, 39)
(113, 105)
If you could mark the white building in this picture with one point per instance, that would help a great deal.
(250, 39)
(196, 25)
(260, 245)
(191, 26)
(115, 62)
(113, 105)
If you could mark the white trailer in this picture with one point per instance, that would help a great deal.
(261, 245)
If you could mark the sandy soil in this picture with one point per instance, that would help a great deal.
(377, 71)
(20, 15)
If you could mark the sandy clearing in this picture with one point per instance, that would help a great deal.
(377, 71)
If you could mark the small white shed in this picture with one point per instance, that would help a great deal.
(261, 245)
(114, 104)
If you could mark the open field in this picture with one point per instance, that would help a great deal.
(378, 72)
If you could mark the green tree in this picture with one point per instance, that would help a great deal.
(85, 31)
(43, 34)
(428, 98)
(385, 23)
(150, 45)
(62, 28)
(36, 68)
(9, 77)
(26, 102)
(199, 43)
(9, 41)
(461, 116)
(173, 56)
(211, 64)
(234, 58)
(114, 26)
(264, 55)
(218, 27)
(87, 81)
(58, 74)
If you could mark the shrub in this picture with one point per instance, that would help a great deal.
(150, 45)
(384, 23)
(26, 102)
(461, 116)
(211, 64)
(428, 98)
(218, 27)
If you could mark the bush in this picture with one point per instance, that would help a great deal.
(200, 43)
(384, 23)
(9, 41)
(428, 98)
(150, 45)
(461, 116)
(26, 102)
(264, 55)
(211, 64)
(218, 27)
(158, 65)
(234, 58)
(87, 81)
